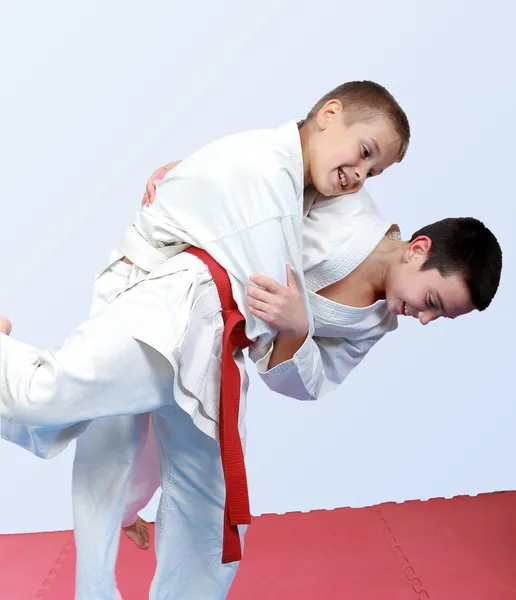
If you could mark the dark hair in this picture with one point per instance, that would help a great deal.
(467, 247)
(365, 100)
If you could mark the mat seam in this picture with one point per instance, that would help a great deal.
(397, 550)
(52, 574)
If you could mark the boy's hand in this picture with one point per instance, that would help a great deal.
(5, 326)
(150, 188)
(281, 307)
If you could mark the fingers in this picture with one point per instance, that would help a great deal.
(291, 280)
(266, 282)
(261, 303)
(260, 314)
(257, 305)
(155, 178)
(258, 293)
(273, 286)
(171, 166)
(150, 189)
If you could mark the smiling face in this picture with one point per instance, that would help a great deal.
(425, 295)
(342, 156)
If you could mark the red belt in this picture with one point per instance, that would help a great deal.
(236, 509)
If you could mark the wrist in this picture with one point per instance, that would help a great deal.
(285, 347)
(295, 334)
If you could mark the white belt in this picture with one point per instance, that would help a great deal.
(143, 254)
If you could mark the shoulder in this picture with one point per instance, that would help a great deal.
(250, 156)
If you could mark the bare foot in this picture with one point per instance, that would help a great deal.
(138, 532)
(5, 326)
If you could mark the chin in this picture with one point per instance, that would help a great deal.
(392, 307)
(327, 191)
(323, 187)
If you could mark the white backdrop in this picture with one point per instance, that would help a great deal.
(97, 94)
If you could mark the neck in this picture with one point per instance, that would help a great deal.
(377, 266)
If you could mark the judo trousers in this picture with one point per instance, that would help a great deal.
(116, 473)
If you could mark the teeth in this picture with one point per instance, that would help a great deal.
(343, 181)
(405, 309)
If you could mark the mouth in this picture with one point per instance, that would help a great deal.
(344, 182)
(404, 309)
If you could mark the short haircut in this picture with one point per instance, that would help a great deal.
(465, 246)
(364, 101)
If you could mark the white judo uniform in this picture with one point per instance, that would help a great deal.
(126, 446)
(156, 346)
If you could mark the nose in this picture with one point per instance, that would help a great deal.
(360, 174)
(426, 317)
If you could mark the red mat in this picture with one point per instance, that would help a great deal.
(458, 549)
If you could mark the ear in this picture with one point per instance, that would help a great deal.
(418, 249)
(328, 113)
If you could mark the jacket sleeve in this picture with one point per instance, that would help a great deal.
(318, 367)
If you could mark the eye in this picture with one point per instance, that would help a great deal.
(365, 151)
(430, 303)
(370, 174)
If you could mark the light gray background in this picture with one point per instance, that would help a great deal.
(96, 95)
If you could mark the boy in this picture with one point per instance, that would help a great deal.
(254, 183)
(447, 269)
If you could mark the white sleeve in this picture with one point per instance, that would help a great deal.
(317, 368)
